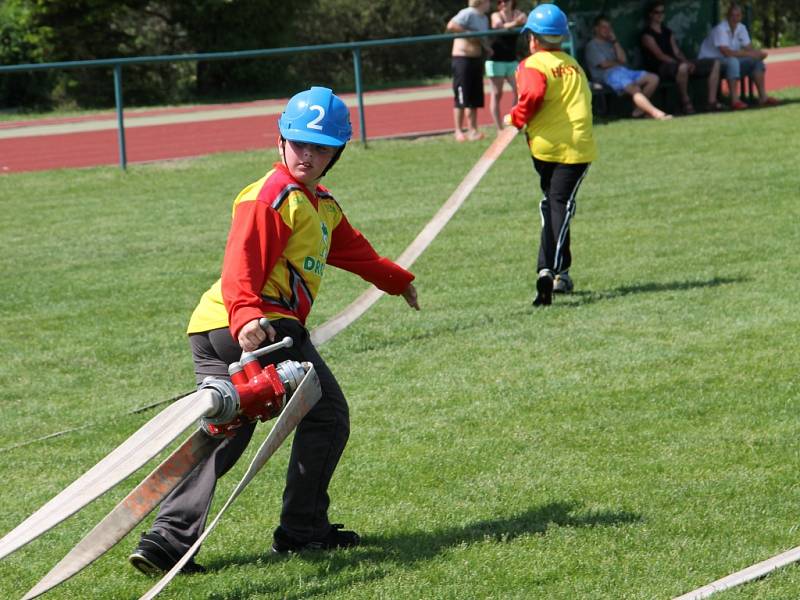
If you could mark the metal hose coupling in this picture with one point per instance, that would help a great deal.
(291, 373)
(226, 402)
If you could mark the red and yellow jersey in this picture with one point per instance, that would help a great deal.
(281, 239)
(555, 107)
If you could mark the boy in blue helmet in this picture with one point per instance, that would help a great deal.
(286, 228)
(555, 108)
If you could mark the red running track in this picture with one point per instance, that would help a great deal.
(181, 140)
(405, 117)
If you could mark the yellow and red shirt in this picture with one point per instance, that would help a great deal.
(555, 108)
(282, 237)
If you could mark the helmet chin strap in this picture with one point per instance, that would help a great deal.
(333, 161)
(335, 158)
(282, 144)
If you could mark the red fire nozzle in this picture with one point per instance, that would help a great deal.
(261, 391)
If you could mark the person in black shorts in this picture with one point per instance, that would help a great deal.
(662, 55)
(467, 64)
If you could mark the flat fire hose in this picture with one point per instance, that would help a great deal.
(148, 441)
(130, 511)
(749, 574)
(362, 304)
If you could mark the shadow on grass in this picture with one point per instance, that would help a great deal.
(382, 555)
(584, 297)
(377, 340)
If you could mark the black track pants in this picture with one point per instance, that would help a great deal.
(559, 183)
(318, 444)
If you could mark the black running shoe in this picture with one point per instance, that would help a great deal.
(544, 288)
(337, 537)
(155, 556)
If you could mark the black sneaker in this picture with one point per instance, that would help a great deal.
(544, 288)
(337, 537)
(155, 556)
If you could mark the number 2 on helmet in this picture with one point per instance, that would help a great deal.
(314, 123)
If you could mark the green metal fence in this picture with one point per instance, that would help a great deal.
(356, 48)
(692, 19)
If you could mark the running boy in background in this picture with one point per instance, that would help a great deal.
(286, 228)
(555, 108)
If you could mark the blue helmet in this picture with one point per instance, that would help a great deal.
(316, 116)
(547, 19)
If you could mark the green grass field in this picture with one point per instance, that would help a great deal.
(638, 439)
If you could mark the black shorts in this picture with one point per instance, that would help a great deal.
(468, 81)
(702, 69)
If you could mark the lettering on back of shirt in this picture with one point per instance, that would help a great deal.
(563, 71)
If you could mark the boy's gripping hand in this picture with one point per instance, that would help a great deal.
(410, 296)
(251, 335)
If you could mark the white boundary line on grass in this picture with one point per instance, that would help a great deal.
(360, 305)
(749, 574)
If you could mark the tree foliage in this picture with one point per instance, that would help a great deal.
(332, 21)
(774, 23)
(20, 45)
(95, 29)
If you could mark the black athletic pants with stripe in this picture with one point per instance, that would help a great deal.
(559, 183)
(318, 444)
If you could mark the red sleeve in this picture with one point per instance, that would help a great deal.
(256, 240)
(532, 84)
(351, 251)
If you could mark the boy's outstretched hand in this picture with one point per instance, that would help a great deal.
(410, 295)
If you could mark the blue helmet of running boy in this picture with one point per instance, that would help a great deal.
(316, 116)
(547, 19)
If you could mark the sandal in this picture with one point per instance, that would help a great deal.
(715, 106)
(688, 108)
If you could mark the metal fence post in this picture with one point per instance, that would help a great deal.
(123, 159)
(361, 120)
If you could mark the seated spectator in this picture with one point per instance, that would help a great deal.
(661, 54)
(503, 63)
(606, 61)
(730, 43)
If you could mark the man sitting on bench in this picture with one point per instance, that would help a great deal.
(730, 43)
(606, 61)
